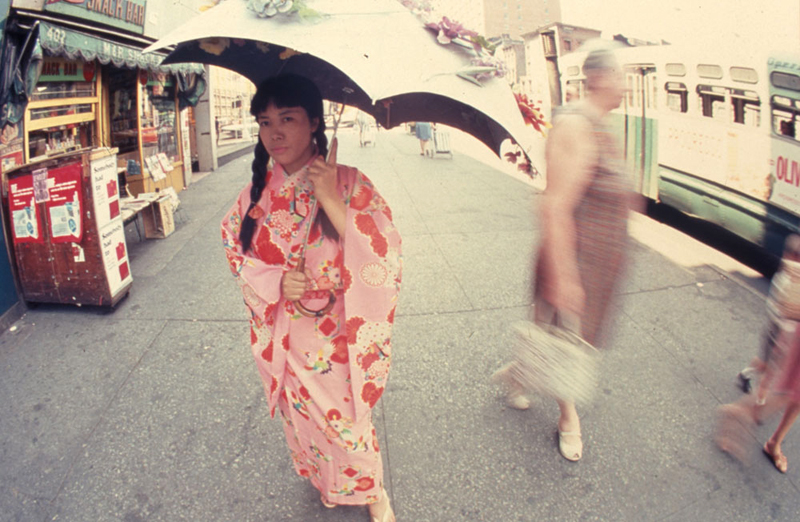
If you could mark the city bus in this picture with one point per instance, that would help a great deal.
(711, 134)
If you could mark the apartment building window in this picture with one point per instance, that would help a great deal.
(549, 43)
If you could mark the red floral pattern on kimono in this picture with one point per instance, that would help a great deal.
(325, 374)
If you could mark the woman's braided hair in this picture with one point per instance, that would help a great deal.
(288, 90)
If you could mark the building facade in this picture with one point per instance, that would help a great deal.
(495, 18)
(232, 93)
(517, 17)
(470, 13)
(86, 88)
(543, 47)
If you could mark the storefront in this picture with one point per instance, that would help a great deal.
(96, 93)
(72, 90)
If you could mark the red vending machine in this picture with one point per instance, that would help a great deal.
(68, 234)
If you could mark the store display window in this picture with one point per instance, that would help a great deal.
(63, 138)
(122, 104)
(159, 117)
(62, 113)
(58, 90)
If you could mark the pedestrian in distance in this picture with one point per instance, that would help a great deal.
(366, 128)
(783, 312)
(584, 216)
(321, 293)
(424, 134)
(778, 368)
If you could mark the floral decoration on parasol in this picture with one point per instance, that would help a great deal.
(533, 117)
(531, 114)
(483, 63)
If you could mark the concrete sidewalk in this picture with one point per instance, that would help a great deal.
(156, 412)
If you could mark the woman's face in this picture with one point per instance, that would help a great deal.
(287, 135)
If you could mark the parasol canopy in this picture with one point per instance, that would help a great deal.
(372, 54)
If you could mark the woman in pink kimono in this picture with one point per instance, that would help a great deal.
(320, 330)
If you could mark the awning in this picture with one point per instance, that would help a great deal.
(72, 44)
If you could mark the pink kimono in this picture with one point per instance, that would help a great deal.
(324, 374)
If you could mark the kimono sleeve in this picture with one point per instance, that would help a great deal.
(372, 260)
(259, 281)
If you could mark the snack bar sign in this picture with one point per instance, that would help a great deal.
(122, 14)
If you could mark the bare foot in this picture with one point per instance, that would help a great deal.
(776, 456)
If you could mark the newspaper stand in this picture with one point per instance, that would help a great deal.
(69, 237)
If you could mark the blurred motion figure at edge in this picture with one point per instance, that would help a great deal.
(584, 215)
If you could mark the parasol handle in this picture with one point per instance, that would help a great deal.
(301, 264)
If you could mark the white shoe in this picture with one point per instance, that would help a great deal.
(570, 445)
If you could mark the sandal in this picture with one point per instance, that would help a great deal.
(571, 450)
(325, 502)
(778, 460)
(388, 514)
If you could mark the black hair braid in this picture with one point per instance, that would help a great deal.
(259, 168)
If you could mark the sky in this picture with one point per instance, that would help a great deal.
(770, 23)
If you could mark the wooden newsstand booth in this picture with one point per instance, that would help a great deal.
(68, 235)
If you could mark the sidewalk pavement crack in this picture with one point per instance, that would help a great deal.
(100, 420)
(386, 451)
(183, 320)
(464, 311)
(687, 285)
(679, 362)
(433, 237)
(684, 507)
(661, 289)
(452, 272)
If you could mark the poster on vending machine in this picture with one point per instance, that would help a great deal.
(65, 204)
(115, 256)
(105, 189)
(25, 218)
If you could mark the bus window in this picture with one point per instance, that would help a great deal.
(638, 93)
(629, 88)
(746, 107)
(652, 91)
(677, 96)
(675, 69)
(743, 74)
(633, 83)
(785, 117)
(713, 72)
(712, 102)
(574, 88)
(784, 80)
